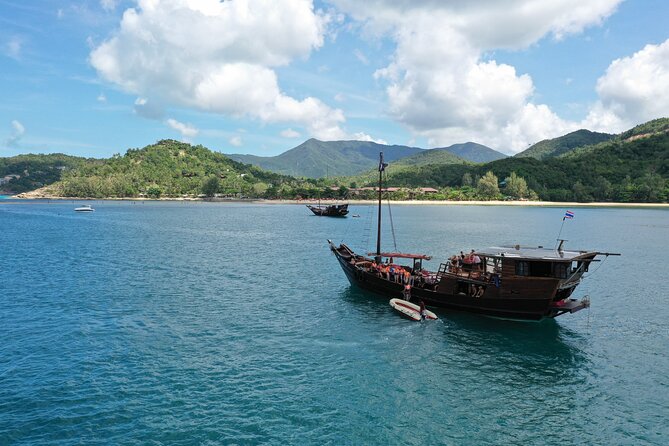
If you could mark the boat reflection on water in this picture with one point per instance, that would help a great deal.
(516, 344)
(544, 352)
(364, 304)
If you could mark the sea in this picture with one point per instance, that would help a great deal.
(194, 323)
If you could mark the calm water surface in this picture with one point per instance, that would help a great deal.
(207, 323)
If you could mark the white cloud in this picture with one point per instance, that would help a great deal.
(12, 47)
(633, 90)
(235, 141)
(360, 136)
(486, 24)
(149, 109)
(102, 98)
(18, 130)
(360, 56)
(218, 57)
(108, 5)
(440, 85)
(290, 133)
(187, 130)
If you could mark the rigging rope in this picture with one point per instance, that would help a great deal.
(392, 226)
(367, 231)
(590, 273)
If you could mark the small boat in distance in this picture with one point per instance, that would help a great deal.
(332, 210)
(85, 208)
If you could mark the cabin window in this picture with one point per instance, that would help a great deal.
(536, 269)
(560, 270)
(462, 288)
(540, 269)
(522, 268)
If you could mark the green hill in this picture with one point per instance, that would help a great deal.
(549, 148)
(474, 152)
(167, 168)
(633, 166)
(431, 157)
(317, 159)
(28, 172)
(649, 128)
(630, 167)
(424, 158)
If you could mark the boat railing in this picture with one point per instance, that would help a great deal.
(446, 269)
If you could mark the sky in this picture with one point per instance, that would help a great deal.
(96, 77)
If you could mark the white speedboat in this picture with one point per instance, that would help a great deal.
(85, 208)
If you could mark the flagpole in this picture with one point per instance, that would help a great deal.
(560, 233)
(567, 215)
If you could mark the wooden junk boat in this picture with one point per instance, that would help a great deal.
(331, 210)
(510, 282)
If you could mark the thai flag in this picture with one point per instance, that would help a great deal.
(568, 214)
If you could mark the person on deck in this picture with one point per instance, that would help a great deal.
(454, 264)
(476, 260)
(467, 262)
(407, 293)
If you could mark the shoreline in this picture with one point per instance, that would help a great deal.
(16, 199)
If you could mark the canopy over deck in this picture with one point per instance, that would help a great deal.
(401, 255)
(537, 253)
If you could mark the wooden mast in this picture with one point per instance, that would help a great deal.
(382, 167)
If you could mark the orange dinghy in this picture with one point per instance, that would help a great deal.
(410, 310)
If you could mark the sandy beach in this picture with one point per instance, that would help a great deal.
(28, 197)
(481, 203)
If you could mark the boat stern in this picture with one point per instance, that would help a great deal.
(568, 306)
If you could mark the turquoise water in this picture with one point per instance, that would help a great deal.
(207, 323)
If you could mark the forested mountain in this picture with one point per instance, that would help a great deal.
(473, 152)
(549, 148)
(167, 168)
(28, 172)
(426, 157)
(633, 166)
(316, 159)
(432, 157)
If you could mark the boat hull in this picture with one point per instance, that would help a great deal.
(340, 210)
(517, 308)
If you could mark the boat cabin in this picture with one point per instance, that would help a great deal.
(515, 271)
(535, 262)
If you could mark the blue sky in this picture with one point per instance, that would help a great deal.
(96, 77)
